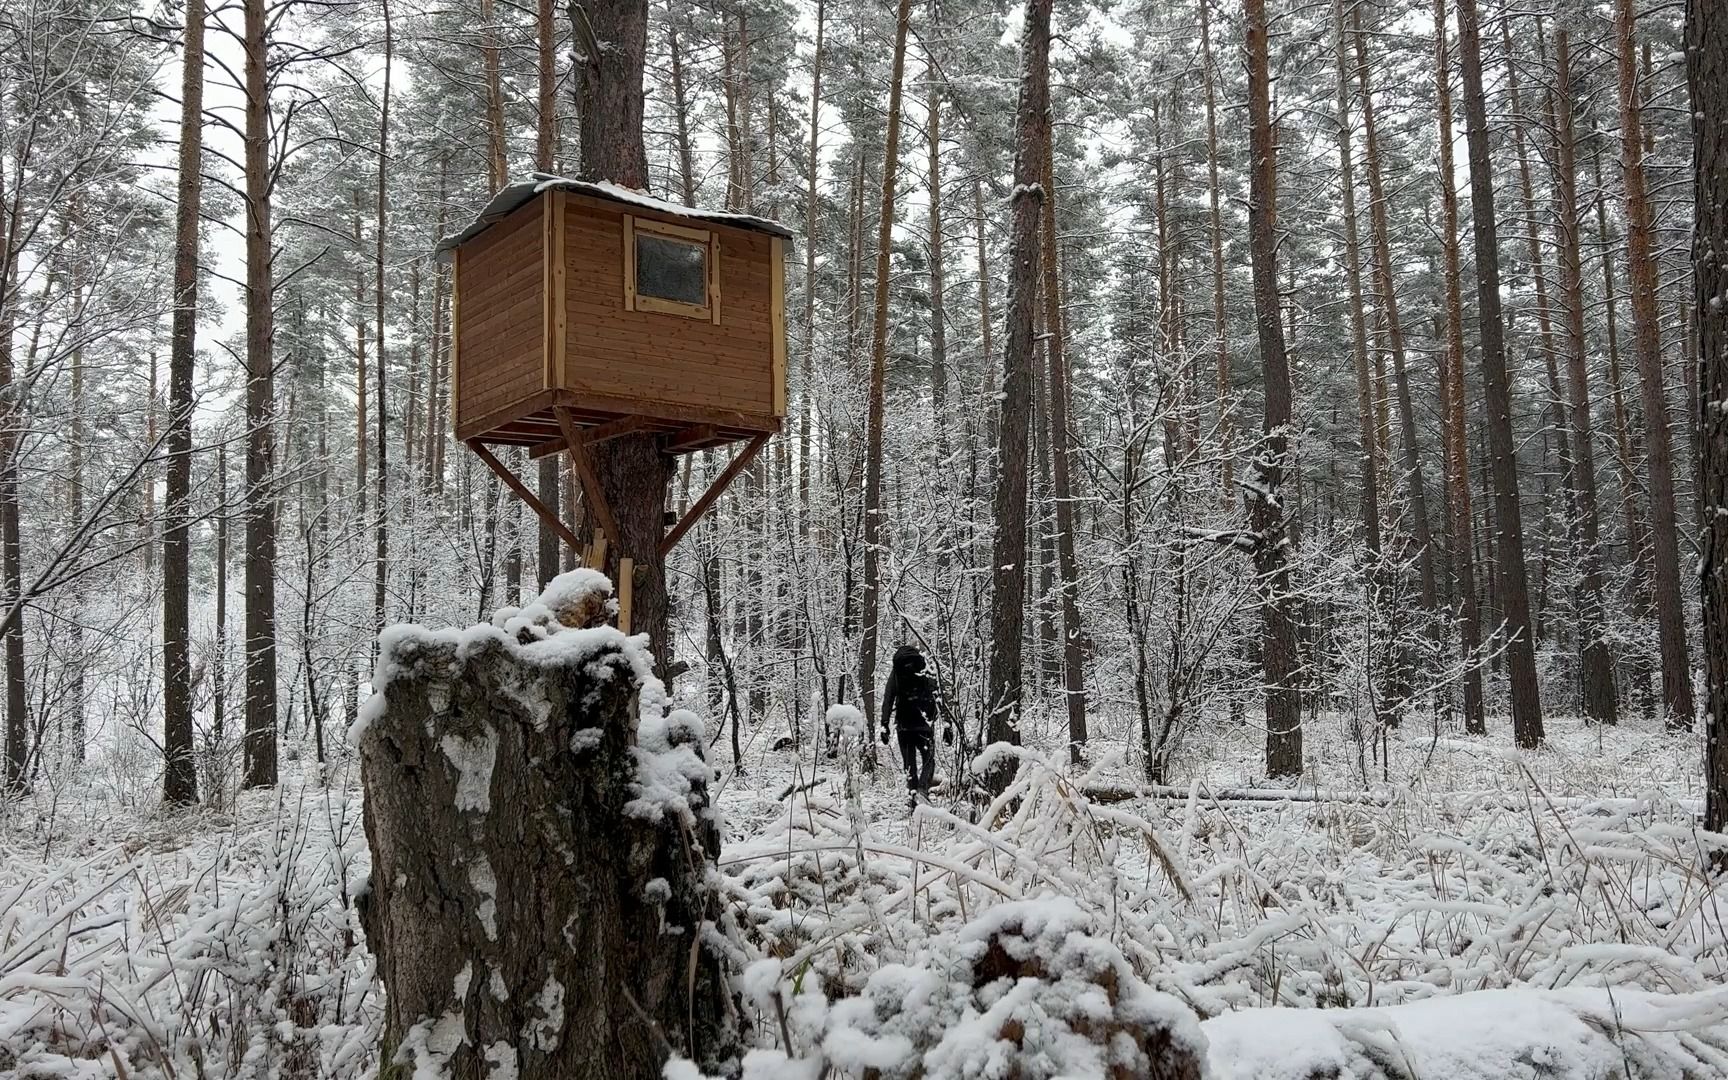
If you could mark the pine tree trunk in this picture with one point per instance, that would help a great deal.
(1595, 658)
(179, 779)
(12, 422)
(872, 600)
(1564, 436)
(1008, 563)
(260, 498)
(1269, 513)
(806, 393)
(1637, 539)
(1460, 542)
(938, 283)
(1061, 447)
(1707, 74)
(632, 470)
(547, 485)
(1215, 233)
(1497, 389)
(381, 523)
(1658, 458)
(1388, 301)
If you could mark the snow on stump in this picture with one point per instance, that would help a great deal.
(541, 902)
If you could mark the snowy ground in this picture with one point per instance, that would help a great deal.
(1567, 880)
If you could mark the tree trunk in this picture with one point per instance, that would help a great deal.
(12, 422)
(872, 600)
(806, 392)
(381, 526)
(1268, 511)
(1061, 454)
(539, 907)
(938, 315)
(1008, 562)
(1461, 541)
(1595, 658)
(632, 470)
(547, 485)
(1497, 390)
(1658, 456)
(1215, 231)
(1388, 301)
(179, 779)
(1707, 74)
(260, 415)
(1564, 437)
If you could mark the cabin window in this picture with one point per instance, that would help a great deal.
(670, 269)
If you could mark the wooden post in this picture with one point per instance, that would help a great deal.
(626, 584)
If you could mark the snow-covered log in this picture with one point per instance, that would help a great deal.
(542, 844)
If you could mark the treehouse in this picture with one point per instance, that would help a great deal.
(586, 311)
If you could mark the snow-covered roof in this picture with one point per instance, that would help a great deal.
(512, 196)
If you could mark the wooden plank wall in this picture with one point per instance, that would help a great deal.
(670, 359)
(501, 333)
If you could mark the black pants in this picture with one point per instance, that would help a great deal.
(918, 754)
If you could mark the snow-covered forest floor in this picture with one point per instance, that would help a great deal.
(226, 944)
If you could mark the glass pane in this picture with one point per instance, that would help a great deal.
(669, 269)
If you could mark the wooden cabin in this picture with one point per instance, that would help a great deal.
(597, 306)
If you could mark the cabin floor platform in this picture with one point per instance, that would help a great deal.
(535, 423)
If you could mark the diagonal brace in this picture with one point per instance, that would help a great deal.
(524, 494)
(719, 485)
(591, 489)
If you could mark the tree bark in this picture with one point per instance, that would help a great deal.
(1564, 437)
(806, 391)
(547, 485)
(1707, 74)
(260, 500)
(1595, 659)
(633, 470)
(179, 779)
(536, 907)
(12, 420)
(1267, 505)
(1008, 562)
(1457, 447)
(1388, 300)
(1497, 389)
(381, 524)
(872, 599)
(1647, 343)
(1061, 456)
(1215, 233)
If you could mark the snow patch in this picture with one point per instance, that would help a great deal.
(542, 1032)
(485, 883)
(474, 759)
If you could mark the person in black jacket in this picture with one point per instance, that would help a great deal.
(911, 690)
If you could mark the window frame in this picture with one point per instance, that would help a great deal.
(634, 301)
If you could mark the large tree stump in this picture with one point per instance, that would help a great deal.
(541, 847)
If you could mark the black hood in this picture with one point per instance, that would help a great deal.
(907, 658)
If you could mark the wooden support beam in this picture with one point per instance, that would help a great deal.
(690, 438)
(546, 449)
(524, 494)
(591, 490)
(613, 429)
(719, 485)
